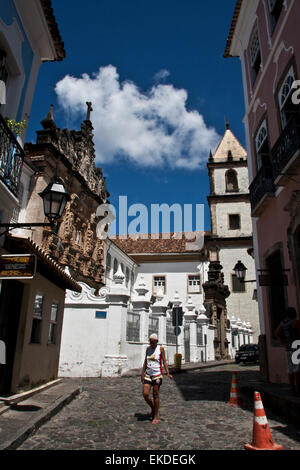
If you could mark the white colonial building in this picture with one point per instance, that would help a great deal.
(107, 334)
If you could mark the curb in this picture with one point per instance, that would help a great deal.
(22, 434)
(206, 366)
(286, 408)
(14, 399)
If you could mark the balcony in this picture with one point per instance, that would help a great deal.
(261, 190)
(286, 153)
(11, 158)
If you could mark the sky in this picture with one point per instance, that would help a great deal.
(161, 93)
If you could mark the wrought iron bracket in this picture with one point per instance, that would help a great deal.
(13, 226)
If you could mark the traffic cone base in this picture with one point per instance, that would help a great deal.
(262, 438)
(235, 399)
(273, 447)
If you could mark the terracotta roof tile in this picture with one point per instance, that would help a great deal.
(155, 243)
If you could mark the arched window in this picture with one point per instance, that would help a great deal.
(262, 146)
(231, 181)
(287, 108)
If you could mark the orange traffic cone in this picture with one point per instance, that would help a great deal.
(262, 438)
(235, 398)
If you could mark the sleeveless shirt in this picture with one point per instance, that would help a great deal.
(154, 365)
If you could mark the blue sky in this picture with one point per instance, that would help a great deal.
(137, 56)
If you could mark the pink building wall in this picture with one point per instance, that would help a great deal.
(262, 96)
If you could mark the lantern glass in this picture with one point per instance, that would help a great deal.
(240, 270)
(54, 198)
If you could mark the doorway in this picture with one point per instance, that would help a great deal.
(10, 307)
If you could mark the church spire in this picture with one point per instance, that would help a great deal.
(48, 121)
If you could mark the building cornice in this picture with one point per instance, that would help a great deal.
(236, 197)
(228, 164)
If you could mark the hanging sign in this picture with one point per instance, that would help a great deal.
(273, 280)
(17, 266)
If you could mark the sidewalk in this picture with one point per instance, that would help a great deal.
(22, 417)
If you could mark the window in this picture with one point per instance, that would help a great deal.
(193, 283)
(200, 341)
(53, 322)
(255, 55)
(171, 338)
(231, 181)
(133, 327)
(37, 319)
(286, 107)
(275, 7)
(158, 283)
(153, 325)
(234, 221)
(262, 147)
(236, 285)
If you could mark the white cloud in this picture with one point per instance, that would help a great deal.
(161, 75)
(149, 129)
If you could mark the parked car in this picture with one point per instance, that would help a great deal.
(247, 353)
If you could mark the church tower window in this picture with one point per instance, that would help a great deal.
(231, 181)
(234, 221)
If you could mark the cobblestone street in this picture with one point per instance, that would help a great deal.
(110, 413)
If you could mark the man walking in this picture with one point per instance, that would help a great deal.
(152, 374)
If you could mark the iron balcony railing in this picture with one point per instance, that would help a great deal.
(261, 186)
(11, 158)
(285, 147)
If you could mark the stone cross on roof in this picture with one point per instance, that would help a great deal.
(89, 109)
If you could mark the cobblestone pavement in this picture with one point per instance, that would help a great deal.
(111, 413)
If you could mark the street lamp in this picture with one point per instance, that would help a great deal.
(54, 198)
(240, 272)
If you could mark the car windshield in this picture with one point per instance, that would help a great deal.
(248, 347)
